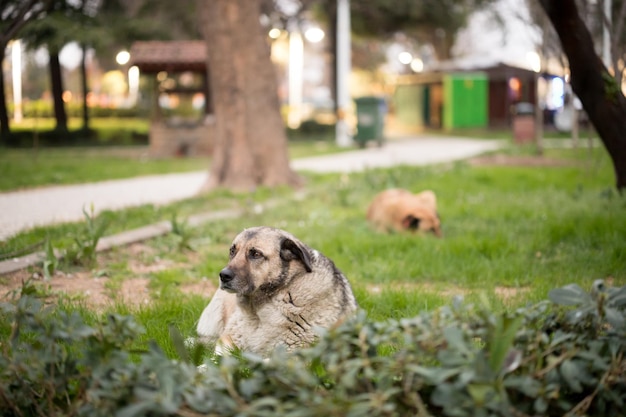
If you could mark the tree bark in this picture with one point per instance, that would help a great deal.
(600, 95)
(250, 147)
(56, 83)
(14, 17)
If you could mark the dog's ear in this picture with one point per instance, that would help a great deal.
(290, 250)
(411, 222)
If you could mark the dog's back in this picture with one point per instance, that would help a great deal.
(428, 199)
(400, 210)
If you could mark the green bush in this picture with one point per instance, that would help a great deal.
(45, 108)
(554, 358)
(54, 138)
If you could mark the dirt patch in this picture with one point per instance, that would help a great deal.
(98, 291)
(205, 287)
(139, 268)
(506, 160)
(93, 291)
(508, 293)
(79, 286)
(135, 291)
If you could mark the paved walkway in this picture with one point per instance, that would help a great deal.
(21, 210)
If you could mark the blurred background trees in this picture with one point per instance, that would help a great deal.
(108, 26)
(429, 30)
(14, 15)
(102, 26)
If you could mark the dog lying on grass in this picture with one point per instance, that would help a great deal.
(275, 291)
(400, 210)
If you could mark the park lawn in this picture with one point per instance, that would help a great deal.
(139, 125)
(511, 233)
(29, 168)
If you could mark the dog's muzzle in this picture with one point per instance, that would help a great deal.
(226, 277)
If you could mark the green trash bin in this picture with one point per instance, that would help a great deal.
(370, 114)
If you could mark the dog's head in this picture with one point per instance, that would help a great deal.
(420, 219)
(263, 259)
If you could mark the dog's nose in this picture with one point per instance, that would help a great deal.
(226, 275)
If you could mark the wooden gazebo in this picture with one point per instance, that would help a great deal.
(182, 121)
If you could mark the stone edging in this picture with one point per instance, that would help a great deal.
(124, 238)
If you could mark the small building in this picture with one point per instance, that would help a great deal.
(464, 97)
(182, 120)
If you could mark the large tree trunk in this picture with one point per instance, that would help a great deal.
(56, 82)
(601, 97)
(250, 138)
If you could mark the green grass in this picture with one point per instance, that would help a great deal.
(75, 123)
(514, 230)
(21, 168)
(28, 168)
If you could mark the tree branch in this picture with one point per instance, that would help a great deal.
(22, 16)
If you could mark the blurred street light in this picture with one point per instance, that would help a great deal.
(296, 63)
(16, 68)
(417, 65)
(405, 57)
(122, 57)
(314, 34)
(274, 33)
(344, 67)
(133, 85)
(296, 68)
(132, 77)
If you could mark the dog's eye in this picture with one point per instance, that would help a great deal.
(255, 254)
(232, 251)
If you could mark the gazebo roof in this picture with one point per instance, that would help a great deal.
(171, 56)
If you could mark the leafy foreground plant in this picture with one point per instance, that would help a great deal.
(461, 360)
(83, 252)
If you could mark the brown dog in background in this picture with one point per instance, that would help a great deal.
(400, 210)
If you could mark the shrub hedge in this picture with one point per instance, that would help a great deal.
(45, 109)
(563, 356)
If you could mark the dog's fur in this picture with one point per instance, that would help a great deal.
(274, 291)
(400, 210)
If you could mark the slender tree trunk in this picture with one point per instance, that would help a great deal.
(250, 140)
(5, 129)
(85, 88)
(56, 82)
(600, 95)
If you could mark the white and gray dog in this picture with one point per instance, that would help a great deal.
(275, 291)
